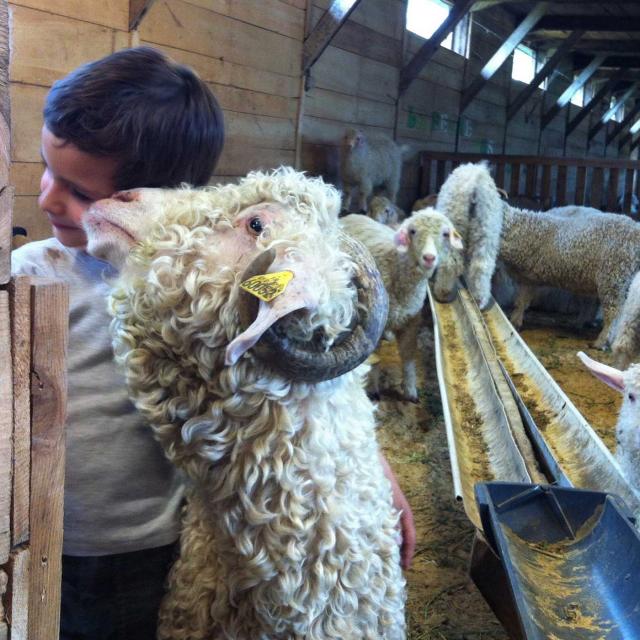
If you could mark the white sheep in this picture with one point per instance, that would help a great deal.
(367, 162)
(626, 343)
(627, 433)
(382, 210)
(289, 530)
(471, 201)
(406, 258)
(594, 254)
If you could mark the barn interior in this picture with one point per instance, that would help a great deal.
(546, 93)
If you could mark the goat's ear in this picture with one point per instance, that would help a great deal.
(401, 239)
(455, 239)
(610, 376)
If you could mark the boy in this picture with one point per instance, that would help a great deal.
(132, 119)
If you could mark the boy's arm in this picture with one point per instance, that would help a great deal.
(407, 526)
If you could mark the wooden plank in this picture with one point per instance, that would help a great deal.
(384, 16)
(440, 174)
(348, 109)
(183, 25)
(25, 178)
(411, 70)
(26, 122)
(109, 13)
(35, 34)
(530, 185)
(272, 15)
(612, 190)
(597, 185)
(581, 176)
(6, 222)
(20, 313)
(6, 193)
(238, 160)
(514, 185)
(324, 31)
(628, 190)
(18, 593)
(545, 185)
(626, 122)
(27, 214)
(50, 319)
(6, 427)
(425, 177)
(561, 188)
(500, 174)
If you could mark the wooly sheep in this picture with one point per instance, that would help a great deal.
(406, 258)
(469, 198)
(382, 210)
(626, 343)
(368, 162)
(289, 529)
(586, 253)
(627, 433)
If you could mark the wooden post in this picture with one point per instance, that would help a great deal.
(6, 192)
(50, 317)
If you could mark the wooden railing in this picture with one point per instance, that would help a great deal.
(609, 185)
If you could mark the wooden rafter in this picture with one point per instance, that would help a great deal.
(137, 11)
(503, 52)
(635, 142)
(591, 45)
(487, 4)
(588, 23)
(328, 25)
(411, 71)
(570, 91)
(546, 70)
(602, 93)
(621, 126)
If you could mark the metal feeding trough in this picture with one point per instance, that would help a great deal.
(570, 557)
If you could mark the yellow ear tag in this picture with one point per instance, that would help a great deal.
(268, 286)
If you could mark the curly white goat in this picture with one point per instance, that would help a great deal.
(627, 433)
(289, 531)
(406, 258)
(471, 201)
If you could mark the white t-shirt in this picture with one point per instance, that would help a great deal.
(121, 494)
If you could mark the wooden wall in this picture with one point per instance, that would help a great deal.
(249, 52)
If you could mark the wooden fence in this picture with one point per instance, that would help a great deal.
(608, 185)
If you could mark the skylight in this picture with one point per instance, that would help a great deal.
(524, 64)
(425, 16)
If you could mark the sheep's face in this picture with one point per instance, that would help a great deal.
(178, 295)
(382, 210)
(428, 236)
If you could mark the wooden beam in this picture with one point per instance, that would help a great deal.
(50, 319)
(487, 4)
(504, 51)
(611, 111)
(411, 71)
(6, 192)
(327, 27)
(591, 46)
(621, 126)
(595, 101)
(546, 70)
(137, 11)
(634, 144)
(565, 98)
(588, 23)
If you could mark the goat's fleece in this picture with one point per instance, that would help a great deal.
(289, 531)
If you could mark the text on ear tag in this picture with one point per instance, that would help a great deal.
(267, 286)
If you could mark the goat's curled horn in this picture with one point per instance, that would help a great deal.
(306, 361)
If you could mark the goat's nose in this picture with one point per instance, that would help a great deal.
(428, 259)
(125, 196)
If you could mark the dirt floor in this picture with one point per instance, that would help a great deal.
(443, 603)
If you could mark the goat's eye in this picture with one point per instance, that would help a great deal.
(632, 397)
(446, 234)
(255, 225)
(412, 232)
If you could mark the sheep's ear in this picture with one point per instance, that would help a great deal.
(401, 239)
(455, 239)
(610, 376)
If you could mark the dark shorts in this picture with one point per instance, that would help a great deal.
(114, 597)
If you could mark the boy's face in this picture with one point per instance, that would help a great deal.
(71, 182)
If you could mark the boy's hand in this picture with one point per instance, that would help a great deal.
(407, 526)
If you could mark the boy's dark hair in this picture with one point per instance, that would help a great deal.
(156, 117)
